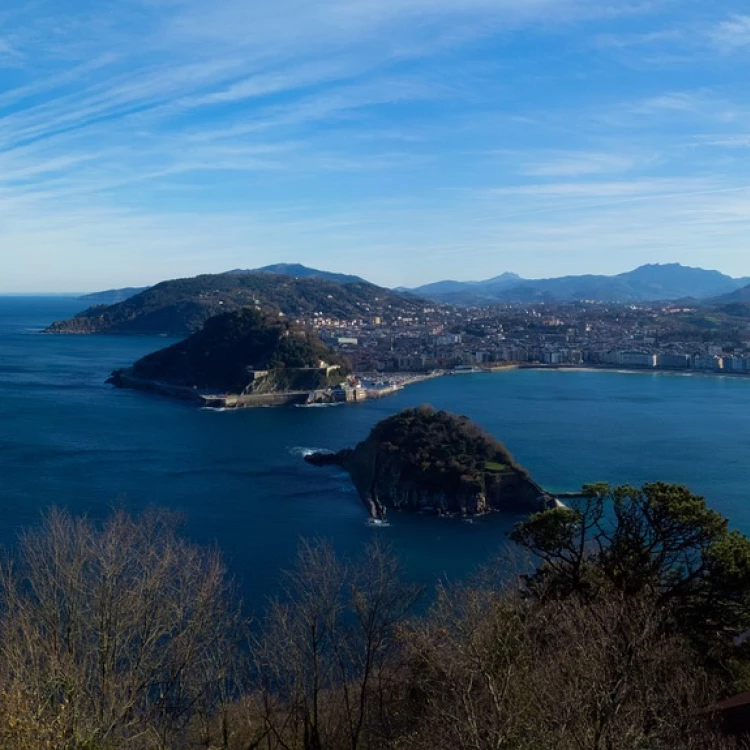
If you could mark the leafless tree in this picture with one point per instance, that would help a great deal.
(126, 636)
(326, 655)
(493, 669)
(119, 635)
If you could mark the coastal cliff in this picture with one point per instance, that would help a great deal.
(432, 461)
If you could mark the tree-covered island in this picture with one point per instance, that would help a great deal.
(243, 353)
(428, 460)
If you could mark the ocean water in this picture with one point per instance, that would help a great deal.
(239, 480)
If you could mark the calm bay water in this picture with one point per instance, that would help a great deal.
(238, 478)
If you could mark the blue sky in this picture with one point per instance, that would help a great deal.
(403, 140)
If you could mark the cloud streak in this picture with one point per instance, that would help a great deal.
(732, 34)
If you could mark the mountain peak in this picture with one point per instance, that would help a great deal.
(297, 270)
(647, 283)
(669, 268)
(506, 276)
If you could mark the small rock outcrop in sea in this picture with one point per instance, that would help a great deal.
(433, 461)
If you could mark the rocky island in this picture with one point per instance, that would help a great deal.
(242, 358)
(433, 461)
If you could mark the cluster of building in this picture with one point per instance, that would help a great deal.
(646, 360)
(627, 336)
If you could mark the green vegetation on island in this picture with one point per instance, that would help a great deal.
(245, 352)
(630, 634)
(441, 450)
(423, 459)
(181, 306)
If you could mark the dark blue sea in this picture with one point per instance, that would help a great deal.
(239, 481)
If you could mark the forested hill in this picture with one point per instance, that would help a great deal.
(425, 460)
(181, 306)
(225, 351)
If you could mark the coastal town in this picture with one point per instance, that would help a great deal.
(648, 336)
(362, 343)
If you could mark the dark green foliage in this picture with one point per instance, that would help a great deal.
(181, 306)
(300, 271)
(229, 347)
(442, 451)
(661, 540)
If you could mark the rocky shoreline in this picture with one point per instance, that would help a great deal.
(386, 477)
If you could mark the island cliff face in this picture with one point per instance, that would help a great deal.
(432, 461)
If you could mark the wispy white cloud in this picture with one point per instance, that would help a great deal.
(732, 34)
(577, 164)
(673, 111)
(673, 102)
(263, 84)
(726, 141)
(646, 39)
(600, 191)
(685, 41)
(171, 136)
(10, 56)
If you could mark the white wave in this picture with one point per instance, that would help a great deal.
(317, 406)
(378, 523)
(302, 451)
(213, 408)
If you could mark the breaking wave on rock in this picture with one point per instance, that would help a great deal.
(301, 451)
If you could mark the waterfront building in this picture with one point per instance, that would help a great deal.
(712, 363)
(673, 361)
(636, 359)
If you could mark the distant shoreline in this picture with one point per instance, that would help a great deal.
(484, 370)
(392, 383)
(634, 370)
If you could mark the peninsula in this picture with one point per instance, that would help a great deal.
(244, 358)
(240, 358)
(433, 461)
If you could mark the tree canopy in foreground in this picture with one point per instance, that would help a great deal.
(660, 540)
(124, 635)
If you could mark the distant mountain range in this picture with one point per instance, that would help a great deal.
(648, 283)
(739, 297)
